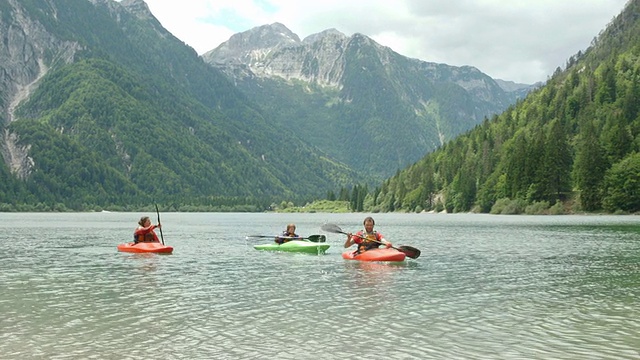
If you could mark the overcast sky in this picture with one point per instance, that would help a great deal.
(518, 40)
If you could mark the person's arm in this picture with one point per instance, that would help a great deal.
(348, 242)
(352, 239)
(145, 230)
(141, 232)
(384, 241)
(284, 237)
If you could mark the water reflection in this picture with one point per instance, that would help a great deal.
(367, 274)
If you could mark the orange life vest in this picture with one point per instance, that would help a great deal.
(145, 235)
(368, 242)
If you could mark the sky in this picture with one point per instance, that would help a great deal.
(514, 40)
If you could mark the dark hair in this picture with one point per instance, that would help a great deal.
(143, 220)
(369, 218)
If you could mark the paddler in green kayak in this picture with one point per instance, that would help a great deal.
(287, 235)
(366, 239)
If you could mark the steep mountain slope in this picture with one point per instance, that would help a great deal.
(360, 102)
(101, 105)
(571, 145)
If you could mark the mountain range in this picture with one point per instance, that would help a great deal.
(101, 106)
(362, 103)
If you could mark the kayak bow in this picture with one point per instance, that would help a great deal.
(382, 254)
(295, 246)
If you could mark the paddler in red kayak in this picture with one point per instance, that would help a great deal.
(366, 239)
(287, 234)
(144, 232)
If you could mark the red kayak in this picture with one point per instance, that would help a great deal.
(382, 254)
(145, 247)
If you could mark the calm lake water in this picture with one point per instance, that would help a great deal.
(485, 287)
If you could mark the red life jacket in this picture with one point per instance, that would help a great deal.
(145, 235)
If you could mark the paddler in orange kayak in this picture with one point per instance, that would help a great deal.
(366, 239)
(144, 232)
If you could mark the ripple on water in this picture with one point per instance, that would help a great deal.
(483, 288)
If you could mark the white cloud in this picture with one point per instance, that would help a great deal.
(518, 40)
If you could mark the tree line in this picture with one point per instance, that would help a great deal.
(571, 145)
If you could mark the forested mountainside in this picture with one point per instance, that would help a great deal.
(362, 103)
(571, 145)
(101, 106)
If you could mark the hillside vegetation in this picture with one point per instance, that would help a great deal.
(571, 145)
(137, 117)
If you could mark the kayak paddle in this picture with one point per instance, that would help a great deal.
(312, 238)
(410, 251)
(158, 212)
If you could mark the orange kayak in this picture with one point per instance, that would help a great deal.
(382, 254)
(145, 247)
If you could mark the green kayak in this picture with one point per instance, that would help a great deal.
(300, 246)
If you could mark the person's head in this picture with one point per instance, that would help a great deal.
(144, 221)
(368, 223)
(291, 228)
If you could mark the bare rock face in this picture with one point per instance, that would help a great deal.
(27, 50)
(274, 51)
(253, 46)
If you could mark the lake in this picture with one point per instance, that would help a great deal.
(485, 287)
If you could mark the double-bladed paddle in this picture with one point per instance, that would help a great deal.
(410, 251)
(312, 238)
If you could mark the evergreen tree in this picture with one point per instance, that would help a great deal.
(606, 92)
(631, 101)
(617, 137)
(589, 167)
(516, 168)
(622, 185)
(557, 163)
(345, 195)
(353, 202)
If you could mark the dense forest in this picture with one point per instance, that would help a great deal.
(570, 146)
(136, 118)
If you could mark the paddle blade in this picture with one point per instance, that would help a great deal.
(317, 238)
(332, 228)
(410, 251)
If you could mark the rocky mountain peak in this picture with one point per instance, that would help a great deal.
(273, 35)
(139, 8)
(326, 34)
(253, 45)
